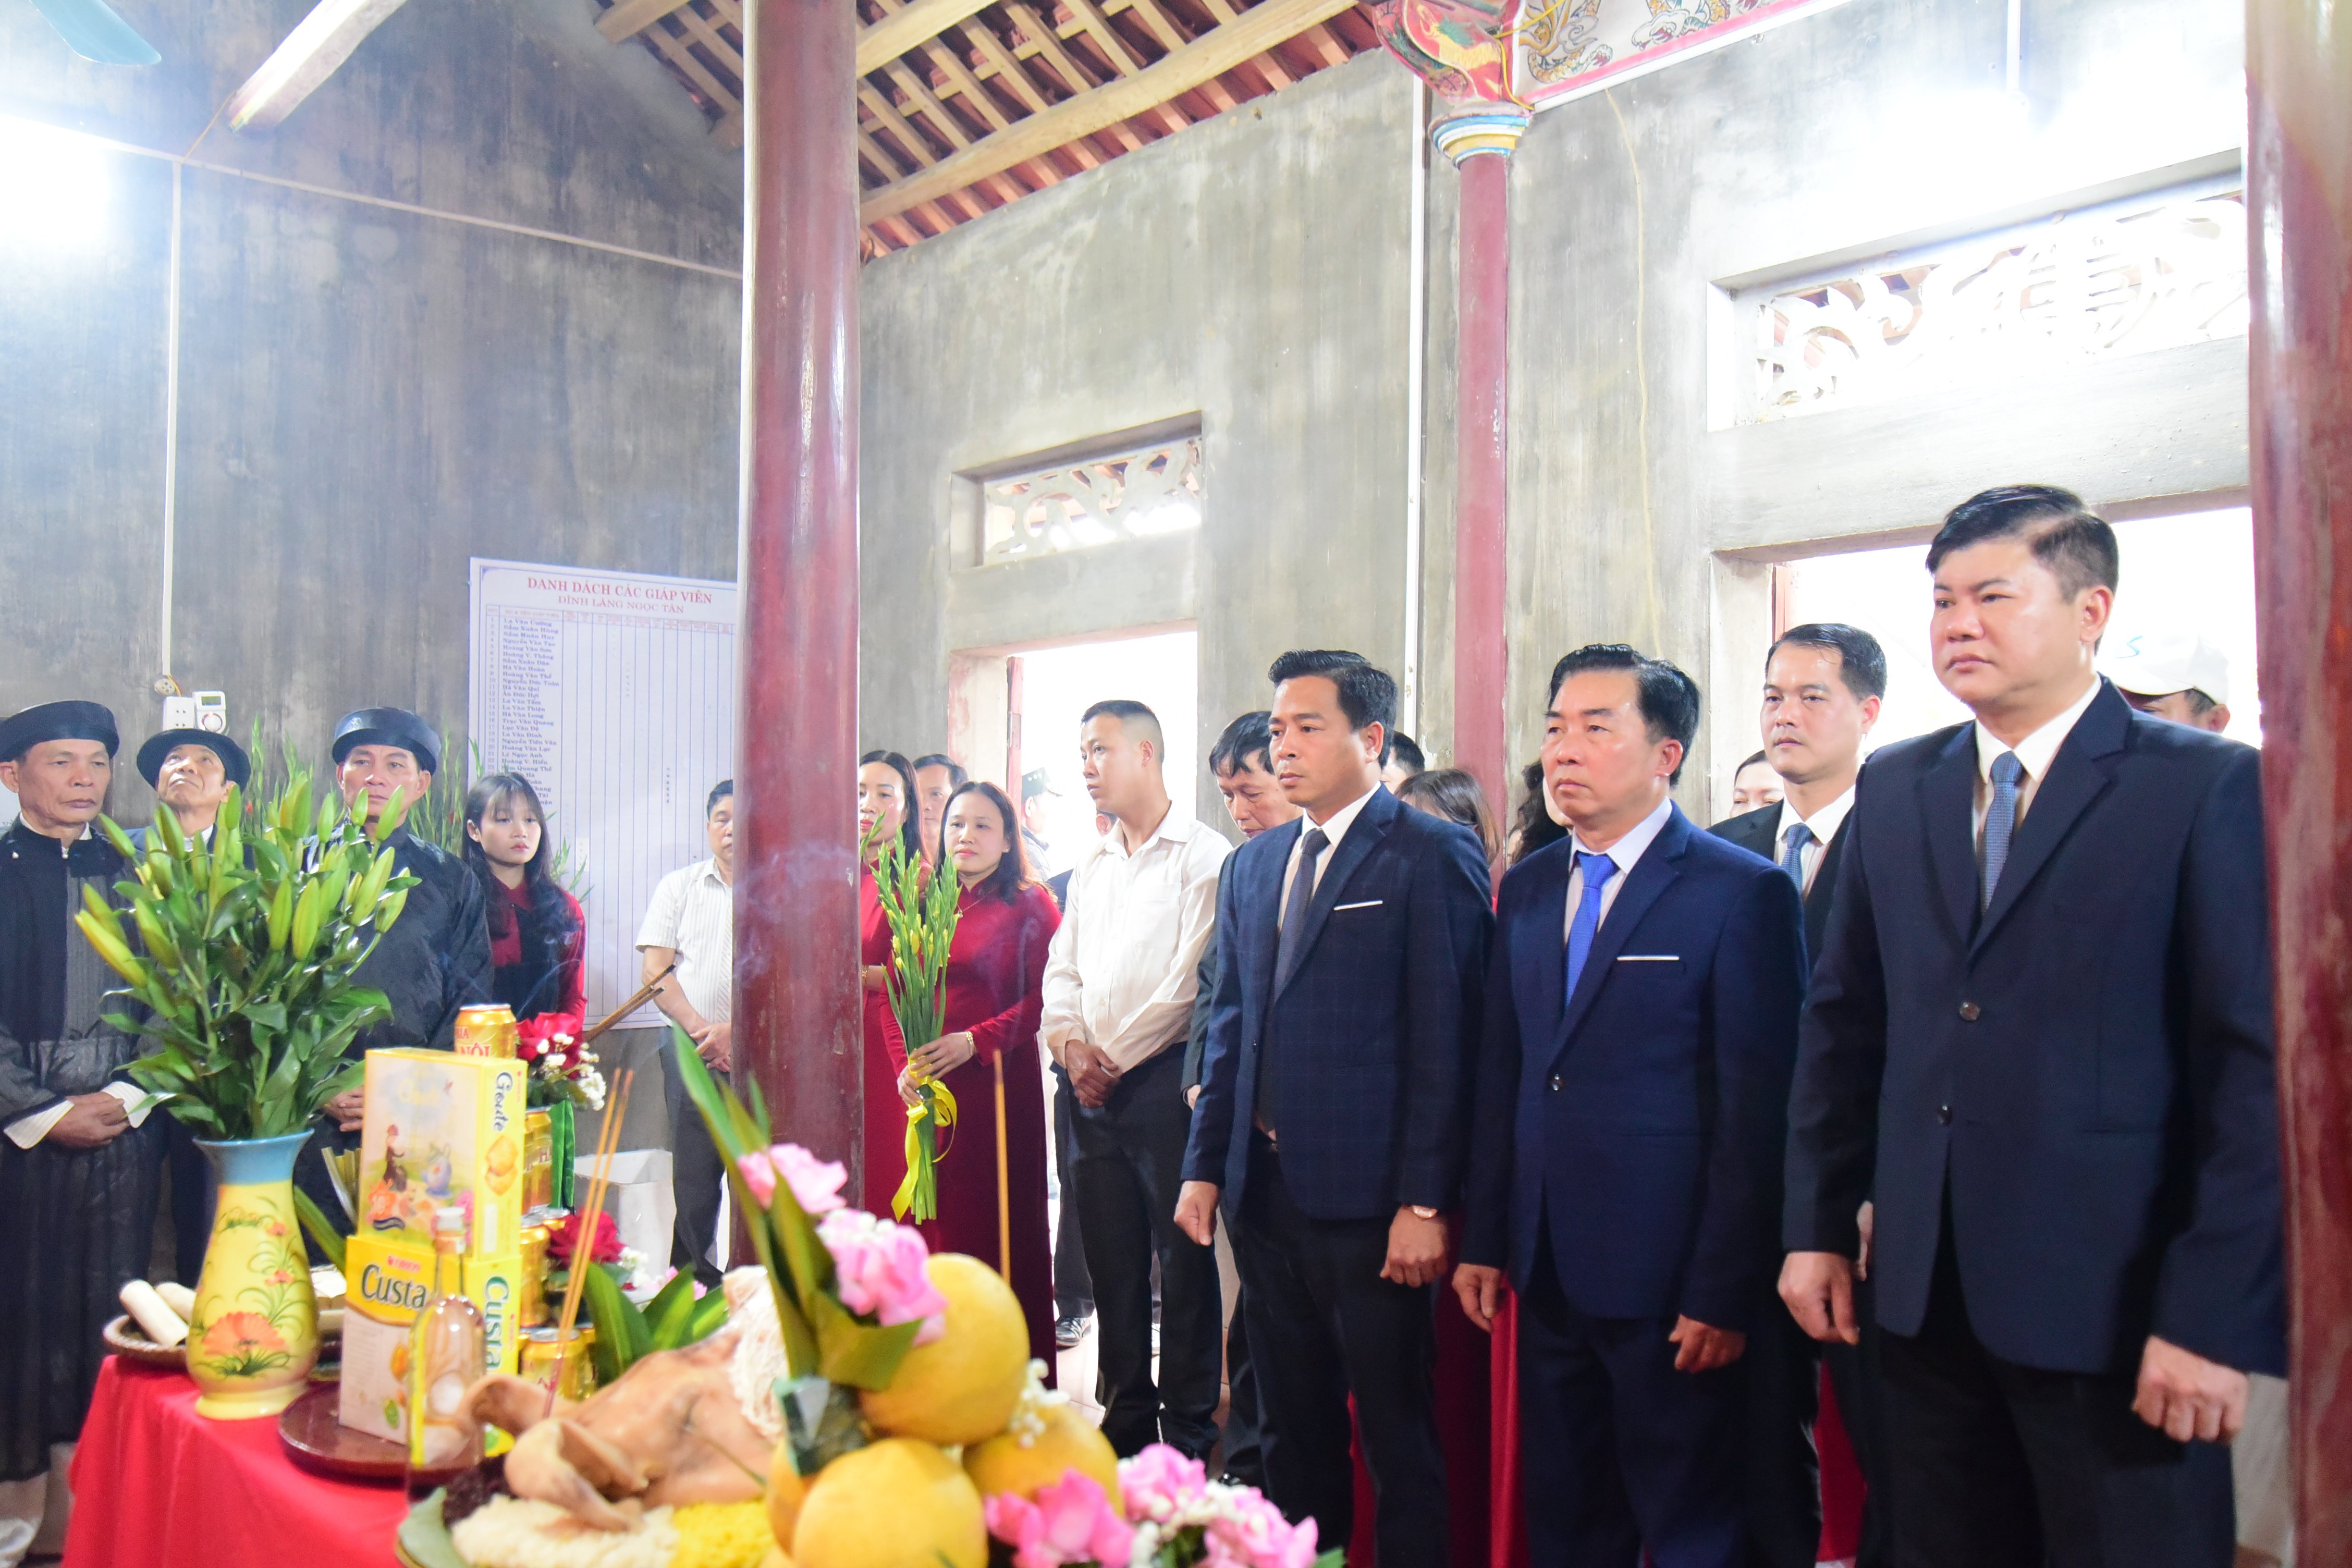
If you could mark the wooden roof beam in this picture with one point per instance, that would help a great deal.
(630, 18)
(1250, 34)
(903, 29)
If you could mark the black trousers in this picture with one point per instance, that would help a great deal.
(695, 1175)
(1244, 1456)
(1129, 1166)
(1781, 1367)
(2002, 1466)
(1074, 1293)
(1324, 1325)
(193, 1191)
(1618, 1451)
(1855, 1373)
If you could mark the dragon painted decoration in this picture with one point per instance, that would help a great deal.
(1460, 47)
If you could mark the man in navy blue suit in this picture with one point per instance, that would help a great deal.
(1334, 1104)
(2040, 1037)
(1632, 1113)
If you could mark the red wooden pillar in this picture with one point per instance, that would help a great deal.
(1480, 143)
(797, 1013)
(2299, 200)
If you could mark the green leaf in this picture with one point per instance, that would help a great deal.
(318, 1227)
(668, 1313)
(709, 1313)
(620, 1333)
(859, 1354)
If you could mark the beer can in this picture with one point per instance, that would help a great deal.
(532, 1242)
(566, 1366)
(537, 1159)
(487, 1029)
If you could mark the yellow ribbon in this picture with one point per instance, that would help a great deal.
(942, 1107)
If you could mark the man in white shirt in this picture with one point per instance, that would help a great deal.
(691, 923)
(1119, 983)
(1823, 684)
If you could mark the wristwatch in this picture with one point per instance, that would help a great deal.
(1418, 1212)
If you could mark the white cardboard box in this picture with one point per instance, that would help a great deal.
(640, 1201)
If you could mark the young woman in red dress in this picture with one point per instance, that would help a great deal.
(994, 992)
(886, 796)
(537, 932)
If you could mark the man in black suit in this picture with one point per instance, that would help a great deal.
(2039, 1036)
(1824, 685)
(1334, 1104)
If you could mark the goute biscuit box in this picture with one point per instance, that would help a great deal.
(443, 1130)
(389, 1283)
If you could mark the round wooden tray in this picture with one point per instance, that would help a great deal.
(316, 1440)
(129, 1340)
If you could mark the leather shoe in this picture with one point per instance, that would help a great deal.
(1068, 1331)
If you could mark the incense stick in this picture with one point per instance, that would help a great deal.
(584, 1226)
(1003, 1181)
(643, 995)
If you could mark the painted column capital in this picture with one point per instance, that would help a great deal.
(1471, 131)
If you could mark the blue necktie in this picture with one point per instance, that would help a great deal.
(1597, 869)
(1792, 858)
(2000, 821)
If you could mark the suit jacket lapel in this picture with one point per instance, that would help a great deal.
(1371, 826)
(1651, 876)
(2079, 775)
(1948, 798)
(1268, 899)
(1536, 944)
(1824, 889)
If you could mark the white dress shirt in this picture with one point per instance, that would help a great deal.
(2034, 753)
(1823, 824)
(1125, 962)
(693, 915)
(1624, 852)
(1335, 829)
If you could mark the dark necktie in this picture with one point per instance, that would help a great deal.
(2000, 821)
(1285, 958)
(1792, 858)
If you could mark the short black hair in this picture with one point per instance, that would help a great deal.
(1127, 711)
(1667, 699)
(1453, 794)
(1248, 742)
(956, 776)
(1367, 694)
(2070, 539)
(1407, 754)
(1749, 763)
(1861, 663)
(723, 789)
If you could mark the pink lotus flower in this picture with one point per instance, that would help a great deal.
(1160, 1483)
(878, 1270)
(816, 1183)
(1071, 1521)
(1250, 1532)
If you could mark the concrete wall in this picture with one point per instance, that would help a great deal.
(1250, 272)
(1255, 270)
(368, 394)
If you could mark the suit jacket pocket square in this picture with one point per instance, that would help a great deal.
(1367, 904)
(1649, 958)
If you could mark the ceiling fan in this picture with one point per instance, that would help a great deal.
(92, 30)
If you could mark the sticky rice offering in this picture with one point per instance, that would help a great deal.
(523, 1533)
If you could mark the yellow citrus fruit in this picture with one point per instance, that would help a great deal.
(776, 1559)
(1069, 1442)
(961, 1387)
(785, 1492)
(893, 1502)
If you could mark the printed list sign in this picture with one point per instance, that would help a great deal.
(614, 692)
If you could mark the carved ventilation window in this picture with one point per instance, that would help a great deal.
(2154, 272)
(1135, 495)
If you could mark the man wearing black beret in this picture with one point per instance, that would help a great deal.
(78, 1174)
(435, 958)
(191, 772)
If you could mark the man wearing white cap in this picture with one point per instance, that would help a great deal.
(2174, 675)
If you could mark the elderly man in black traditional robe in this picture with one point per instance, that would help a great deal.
(191, 772)
(78, 1177)
(435, 958)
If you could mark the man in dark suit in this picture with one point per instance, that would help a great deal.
(1823, 684)
(1640, 1026)
(2040, 1036)
(1334, 1101)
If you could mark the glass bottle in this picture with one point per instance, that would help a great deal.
(447, 1350)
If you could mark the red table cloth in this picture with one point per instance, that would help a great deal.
(153, 1482)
